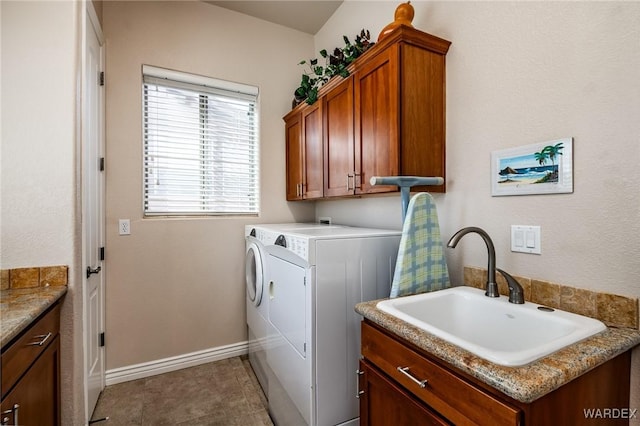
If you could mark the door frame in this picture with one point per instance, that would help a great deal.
(89, 20)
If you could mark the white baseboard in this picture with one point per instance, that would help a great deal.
(152, 368)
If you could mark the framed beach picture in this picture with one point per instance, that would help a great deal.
(540, 168)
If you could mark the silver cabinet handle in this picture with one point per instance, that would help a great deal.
(44, 338)
(405, 371)
(349, 177)
(358, 391)
(14, 411)
(356, 179)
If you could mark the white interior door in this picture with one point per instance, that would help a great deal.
(93, 212)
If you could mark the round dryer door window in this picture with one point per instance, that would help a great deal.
(253, 273)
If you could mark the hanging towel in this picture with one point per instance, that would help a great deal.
(420, 266)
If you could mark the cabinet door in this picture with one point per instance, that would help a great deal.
(383, 403)
(422, 103)
(376, 120)
(339, 179)
(312, 182)
(37, 394)
(295, 164)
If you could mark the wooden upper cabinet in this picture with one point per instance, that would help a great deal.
(376, 120)
(293, 131)
(339, 179)
(304, 152)
(422, 106)
(312, 182)
(386, 119)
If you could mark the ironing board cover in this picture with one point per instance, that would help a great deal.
(420, 266)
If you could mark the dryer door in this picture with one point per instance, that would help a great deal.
(254, 271)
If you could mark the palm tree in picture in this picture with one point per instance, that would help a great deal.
(541, 157)
(552, 151)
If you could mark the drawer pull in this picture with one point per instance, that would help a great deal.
(14, 411)
(358, 391)
(405, 371)
(41, 342)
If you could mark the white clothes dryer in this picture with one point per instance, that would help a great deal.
(316, 277)
(259, 330)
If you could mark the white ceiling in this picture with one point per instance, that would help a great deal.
(304, 15)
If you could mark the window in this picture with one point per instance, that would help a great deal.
(200, 145)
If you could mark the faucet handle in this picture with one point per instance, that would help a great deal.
(516, 293)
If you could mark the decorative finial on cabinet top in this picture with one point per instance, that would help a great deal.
(402, 16)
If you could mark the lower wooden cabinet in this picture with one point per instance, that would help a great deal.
(382, 402)
(31, 375)
(401, 384)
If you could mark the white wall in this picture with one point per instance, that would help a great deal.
(175, 286)
(520, 73)
(40, 223)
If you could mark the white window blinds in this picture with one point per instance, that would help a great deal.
(200, 145)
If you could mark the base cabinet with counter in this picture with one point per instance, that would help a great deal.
(401, 384)
(31, 374)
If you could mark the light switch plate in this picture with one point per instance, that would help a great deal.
(526, 239)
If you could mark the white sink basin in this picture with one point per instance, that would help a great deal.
(492, 328)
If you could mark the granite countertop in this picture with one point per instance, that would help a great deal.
(20, 307)
(527, 383)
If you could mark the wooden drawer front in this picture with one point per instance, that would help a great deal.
(17, 358)
(453, 397)
(384, 403)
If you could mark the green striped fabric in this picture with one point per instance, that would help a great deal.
(421, 266)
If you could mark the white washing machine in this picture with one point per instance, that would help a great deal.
(257, 300)
(316, 277)
(257, 309)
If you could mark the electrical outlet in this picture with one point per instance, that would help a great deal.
(325, 220)
(124, 227)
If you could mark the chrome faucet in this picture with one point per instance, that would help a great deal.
(492, 287)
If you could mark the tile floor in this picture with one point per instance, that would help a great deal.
(219, 393)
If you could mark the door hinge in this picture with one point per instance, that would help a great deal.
(102, 339)
(101, 253)
(101, 78)
(102, 164)
(304, 281)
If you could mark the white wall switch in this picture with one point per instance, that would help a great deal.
(526, 239)
(124, 227)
